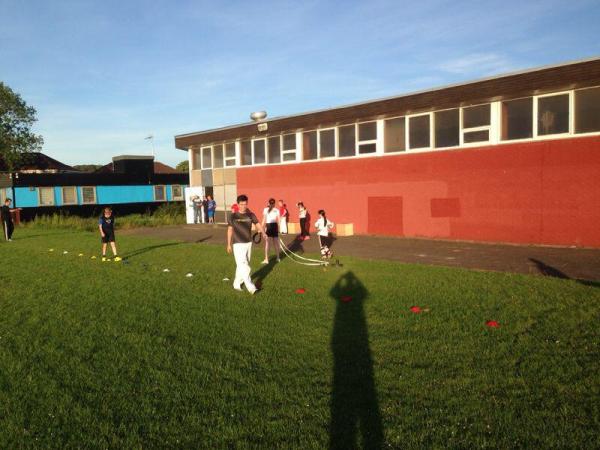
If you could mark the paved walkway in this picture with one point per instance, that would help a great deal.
(560, 262)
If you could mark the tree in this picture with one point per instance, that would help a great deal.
(183, 166)
(16, 120)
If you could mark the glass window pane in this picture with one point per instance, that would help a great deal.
(196, 163)
(367, 131)
(347, 144)
(69, 194)
(289, 142)
(206, 158)
(46, 196)
(176, 190)
(517, 119)
(418, 135)
(476, 116)
(447, 132)
(395, 135)
(327, 142)
(88, 194)
(246, 155)
(259, 152)
(367, 148)
(476, 136)
(309, 145)
(274, 150)
(587, 110)
(289, 157)
(218, 156)
(230, 150)
(159, 193)
(553, 114)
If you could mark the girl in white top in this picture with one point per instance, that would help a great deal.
(270, 223)
(302, 215)
(324, 227)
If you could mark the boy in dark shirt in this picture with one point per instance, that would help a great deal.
(7, 222)
(239, 242)
(106, 225)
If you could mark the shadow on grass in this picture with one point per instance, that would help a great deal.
(141, 251)
(354, 404)
(202, 239)
(31, 236)
(549, 271)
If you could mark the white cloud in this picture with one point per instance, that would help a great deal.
(479, 63)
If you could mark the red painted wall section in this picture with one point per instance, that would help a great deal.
(544, 192)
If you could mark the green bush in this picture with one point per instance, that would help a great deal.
(167, 214)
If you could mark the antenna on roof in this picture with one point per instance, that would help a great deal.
(258, 116)
(151, 138)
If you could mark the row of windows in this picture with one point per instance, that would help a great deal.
(88, 194)
(534, 117)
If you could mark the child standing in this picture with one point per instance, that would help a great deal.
(270, 223)
(324, 227)
(212, 207)
(283, 213)
(106, 225)
(7, 222)
(302, 215)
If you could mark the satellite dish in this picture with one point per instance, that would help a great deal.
(258, 115)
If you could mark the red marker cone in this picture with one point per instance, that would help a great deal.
(346, 299)
(300, 291)
(415, 309)
(492, 324)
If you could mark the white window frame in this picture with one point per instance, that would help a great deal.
(178, 197)
(83, 202)
(164, 188)
(335, 143)
(574, 131)
(289, 152)
(337, 140)
(210, 148)
(266, 148)
(62, 194)
(571, 103)
(358, 142)
(431, 132)
(268, 138)
(214, 151)
(464, 130)
(405, 135)
(40, 196)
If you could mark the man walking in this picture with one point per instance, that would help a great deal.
(239, 242)
(7, 222)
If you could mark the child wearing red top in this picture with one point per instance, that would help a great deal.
(283, 214)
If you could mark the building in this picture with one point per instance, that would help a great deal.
(513, 158)
(42, 185)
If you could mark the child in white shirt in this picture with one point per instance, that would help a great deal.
(324, 227)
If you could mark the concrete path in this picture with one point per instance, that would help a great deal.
(560, 262)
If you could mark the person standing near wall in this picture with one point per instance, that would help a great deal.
(270, 223)
(197, 204)
(324, 227)
(283, 214)
(205, 210)
(303, 215)
(239, 242)
(212, 207)
(7, 223)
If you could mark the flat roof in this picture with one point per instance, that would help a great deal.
(588, 69)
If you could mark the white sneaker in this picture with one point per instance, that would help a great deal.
(238, 288)
(253, 291)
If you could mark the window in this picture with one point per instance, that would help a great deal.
(46, 195)
(289, 147)
(553, 114)
(206, 158)
(587, 110)
(517, 119)
(177, 192)
(447, 128)
(327, 143)
(196, 162)
(367, 137)
(419, 132)
(230, 154)
(476, 121)
(69, 195)
(217, 156)
(159, 194)
(259, 150)
(347, 140)
(274, 150)
(88, 194)
(309, 145)
(394, 135)
(246, 156)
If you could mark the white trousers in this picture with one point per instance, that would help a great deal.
(242, 253)
(283, 225)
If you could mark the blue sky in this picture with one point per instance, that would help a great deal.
(105, 74)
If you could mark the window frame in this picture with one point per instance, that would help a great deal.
(164, 188)
(293, 151)
(268, 150)
(571, 103)
(62, 195)
(83, 202)
(335, 144)
(229, 158)
(431, 132)
(488, 128)
(40, 188)
(264, 139)
(400, 152)
(178, 197)
(210, 149)
(358, 142)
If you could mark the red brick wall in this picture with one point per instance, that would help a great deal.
(544, 192)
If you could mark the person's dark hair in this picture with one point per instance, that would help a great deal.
(299, 204)
(322, 214)
(8, 200)
(271, 204)
(242, 198)
(107, 208)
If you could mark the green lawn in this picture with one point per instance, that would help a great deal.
(113, 355)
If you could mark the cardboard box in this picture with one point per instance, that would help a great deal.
(293, 228)
(344, 229)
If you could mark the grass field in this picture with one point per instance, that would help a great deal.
(113, 355)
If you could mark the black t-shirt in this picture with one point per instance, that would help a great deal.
(6, 217)
(108, 223)
(242, 226)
